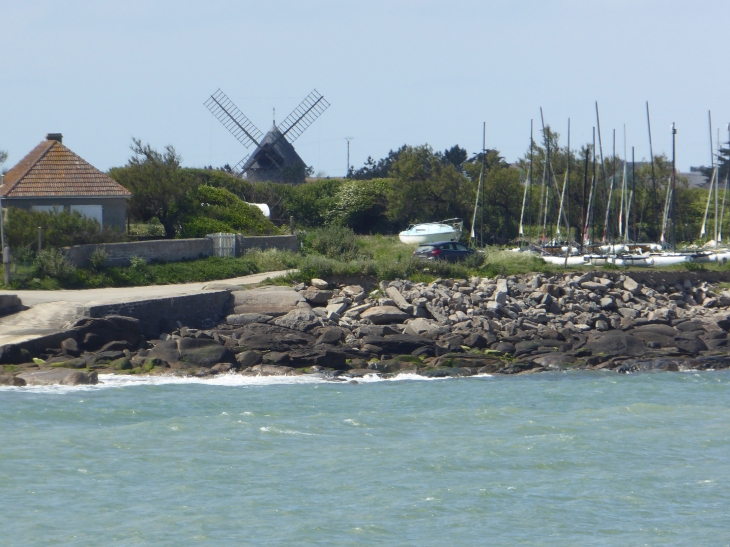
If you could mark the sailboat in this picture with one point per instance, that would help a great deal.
(433, 232)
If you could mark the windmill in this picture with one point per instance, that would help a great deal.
(274, 158)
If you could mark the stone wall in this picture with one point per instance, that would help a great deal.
(156, 315)
(246, 243)
(163, 250)
(174, 250)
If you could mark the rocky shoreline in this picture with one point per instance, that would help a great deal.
(520, 324)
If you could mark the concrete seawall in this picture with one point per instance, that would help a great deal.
(162, 314)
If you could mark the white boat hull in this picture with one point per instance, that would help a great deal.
(429, 238)
(431, 232)
(560, 260)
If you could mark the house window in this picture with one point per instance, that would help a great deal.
(89, 211)
(48, 208)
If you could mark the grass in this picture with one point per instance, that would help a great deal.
(376, 257)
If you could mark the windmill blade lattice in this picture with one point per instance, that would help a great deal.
(238, 168)
(303, 116)
(233, 119)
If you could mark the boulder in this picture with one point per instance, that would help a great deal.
(614, 342)
(198, 352)
(249, 358)
(10, 380)
(355, 311)
(316, 296)
(273, 370)
(166, 350)
(272, 337)
(274, 301)
(693, 345)
(71, 347)
(423, 327)
(381, 315)
(397, 344)
(9, 303)
(12, 354)
(319, 283)
(331, 335)
(632, 286)
(399, 300)
(59, 376)
(241, 319)
(323, 357)
(277, 358)
(299, 319)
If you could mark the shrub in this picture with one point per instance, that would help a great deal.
(337, 242)
(52, 263)
(202, 226)
(228, 210)
(137, 262)
(58, 229)
(98, 259)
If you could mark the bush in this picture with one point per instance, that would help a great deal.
(98, 259)
(337, 242)
(52, 263)
(137, 262)
(58, 229)
(218, 210)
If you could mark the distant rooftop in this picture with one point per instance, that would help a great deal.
(52, 170)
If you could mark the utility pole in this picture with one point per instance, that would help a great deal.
(347, 172)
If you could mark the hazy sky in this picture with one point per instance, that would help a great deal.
(394, 71)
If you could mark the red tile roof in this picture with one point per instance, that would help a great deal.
(52, 170)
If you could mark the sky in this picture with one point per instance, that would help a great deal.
(395, 72)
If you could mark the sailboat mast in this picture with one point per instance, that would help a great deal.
(603, 168)
(484, 154)
(592, 202)
(567, 182)
(529, 213)
(583, 218)
(727, 176)
(715, 176)
(633, 196)
(606, 231)
(674, 186)
(651, 156)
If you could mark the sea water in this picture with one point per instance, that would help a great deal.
(557, 459)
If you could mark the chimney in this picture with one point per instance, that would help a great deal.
(54, 137)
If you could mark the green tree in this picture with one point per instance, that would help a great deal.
(160, 188)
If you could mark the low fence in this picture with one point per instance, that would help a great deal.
(283, 243)
(175, 250)
(162, 250)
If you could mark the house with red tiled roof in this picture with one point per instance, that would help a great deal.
(52, 178)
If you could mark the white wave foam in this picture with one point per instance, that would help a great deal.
(271, 429)
(107, 381)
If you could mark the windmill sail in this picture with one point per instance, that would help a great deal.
(303, 116)
(233, 119)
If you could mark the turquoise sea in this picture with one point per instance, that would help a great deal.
(556, 459)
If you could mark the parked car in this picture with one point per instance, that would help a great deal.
(443, 250)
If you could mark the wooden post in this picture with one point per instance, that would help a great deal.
(6, 264)
(291, 225)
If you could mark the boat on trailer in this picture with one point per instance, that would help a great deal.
(433, 232)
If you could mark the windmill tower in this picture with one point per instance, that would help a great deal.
(274, 158)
